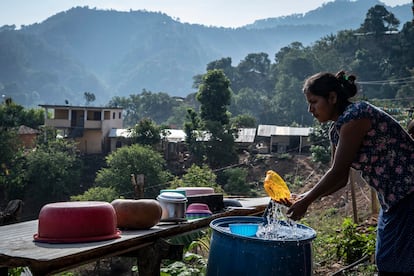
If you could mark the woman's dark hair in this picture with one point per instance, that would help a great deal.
(410, 127)
(322, 83)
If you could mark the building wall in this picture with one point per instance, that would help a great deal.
(91, 142)
(61, 114)
(93, 124)
(112, 121)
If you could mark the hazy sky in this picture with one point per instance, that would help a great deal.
(225, 13)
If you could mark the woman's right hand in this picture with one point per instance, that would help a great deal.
(299, 207)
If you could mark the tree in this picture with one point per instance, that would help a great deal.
(192, 128)
(294, 61)
(135, 159)
(225, 65)
(378, 21)
(253, 72)
(214, 96)
(107, 194)
(10, 153)
(146, 132)
(248, 101)
(89, 97)
(177, 117)
(289, 104)
(236, 183)
(12, 116)
(244, 120)
(197, 176)
(321, 147)
(158, 107)
(51, 172)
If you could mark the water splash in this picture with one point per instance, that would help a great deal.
(279, 227)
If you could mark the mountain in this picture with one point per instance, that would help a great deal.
(337, 15)
(111, 53)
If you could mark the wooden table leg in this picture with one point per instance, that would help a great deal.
(4, 271)
(149, 258)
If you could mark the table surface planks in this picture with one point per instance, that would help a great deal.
(18, 248)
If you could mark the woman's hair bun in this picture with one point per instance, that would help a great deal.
(347, 83)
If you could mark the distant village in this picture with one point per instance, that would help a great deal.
(99, 130)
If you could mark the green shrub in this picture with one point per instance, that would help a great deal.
(236, 181)
(197, 177)
(194, 262)
(107, 194)
(135, 159)
(352, 244)
(294, 182)
(320, 154)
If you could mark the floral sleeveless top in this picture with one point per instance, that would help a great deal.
(386, 157)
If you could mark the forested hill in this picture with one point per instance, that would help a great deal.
(337, 15)
(111, 53)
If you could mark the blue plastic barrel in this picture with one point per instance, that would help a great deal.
(232, 254)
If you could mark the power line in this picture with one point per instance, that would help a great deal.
(399, 81)
(393, 99)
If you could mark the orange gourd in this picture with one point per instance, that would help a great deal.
(137, 213)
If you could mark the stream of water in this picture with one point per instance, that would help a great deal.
(280, 228)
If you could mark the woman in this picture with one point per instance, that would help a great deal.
(369, 140)
(410, 128)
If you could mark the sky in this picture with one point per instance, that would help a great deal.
(220, 13)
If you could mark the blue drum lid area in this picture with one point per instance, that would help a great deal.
(222, 225)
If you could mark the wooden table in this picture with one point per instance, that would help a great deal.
(17, 248)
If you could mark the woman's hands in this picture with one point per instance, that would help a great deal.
(284, 201)
(298, 209)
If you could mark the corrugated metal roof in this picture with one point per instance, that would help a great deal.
(120, 132)
(266, 130)
(202, 135)
(27, 130)
(174, 135)
(79, 107)
(269, 130)
(246, 135)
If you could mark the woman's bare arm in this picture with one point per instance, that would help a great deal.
(350, 140)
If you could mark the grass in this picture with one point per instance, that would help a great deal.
(337, 237)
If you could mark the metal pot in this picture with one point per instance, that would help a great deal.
(173, 206)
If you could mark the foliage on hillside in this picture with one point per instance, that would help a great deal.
(271, 92)
(122, 53)
(135, 159)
